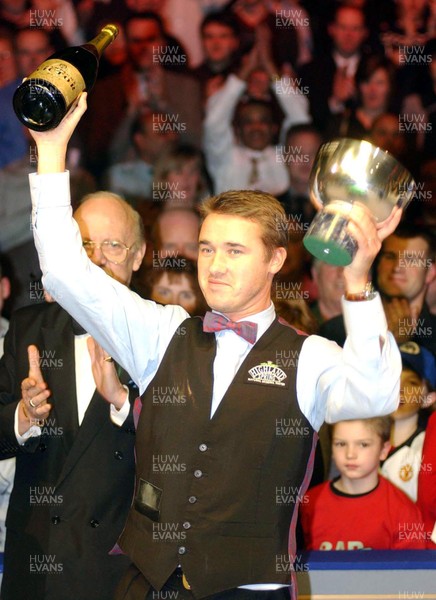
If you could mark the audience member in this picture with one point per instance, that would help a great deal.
(180, 178)
(14, 14)
(331, 512)
(403, 271)
(294, 281)
(59, 18)
(144, 83)
(430, 297)
(375, 92)
(386, 133)
(330, 286)
(74, 468)
(13, 144)
(5, 291)
(92, 14)
(244, 157)
(173, 285)
(301, 145)
(115, 55)
(219, 36)
(297, 313)
(15, 233)
(294, 21)
(132, 173)
(290, 39)
(330, 75)
(412, 24)
(418, 384)
(427, 481)
(249, 15)
(7, 466)
(175, 234)
(426, 196)
(418, 115)
(32, 47)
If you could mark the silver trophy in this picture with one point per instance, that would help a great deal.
(346, 172)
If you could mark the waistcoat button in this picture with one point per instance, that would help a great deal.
(198, 473)
(192, 499)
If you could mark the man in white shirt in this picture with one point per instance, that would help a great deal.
(234, 405)
(239, 138)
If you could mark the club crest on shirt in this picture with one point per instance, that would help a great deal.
(267, 373)
(406, 472)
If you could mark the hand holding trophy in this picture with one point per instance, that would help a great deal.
(347, 173)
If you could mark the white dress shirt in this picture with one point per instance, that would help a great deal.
(85, 388)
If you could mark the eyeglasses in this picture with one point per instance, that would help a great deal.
(113, 251)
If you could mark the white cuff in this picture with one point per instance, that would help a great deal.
(119, 416)
(33, 431)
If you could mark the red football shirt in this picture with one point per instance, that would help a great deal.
(427, 479)
(383, 519)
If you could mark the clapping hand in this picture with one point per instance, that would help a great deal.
(105, 375)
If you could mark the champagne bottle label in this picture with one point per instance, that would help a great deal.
(63, 75)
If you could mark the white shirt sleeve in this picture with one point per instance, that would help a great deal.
(134, 331)
(293, 101)
(358, 381)
(218, 131)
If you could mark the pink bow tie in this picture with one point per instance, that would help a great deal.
(214, 322)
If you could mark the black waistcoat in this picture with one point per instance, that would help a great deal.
(218, 496)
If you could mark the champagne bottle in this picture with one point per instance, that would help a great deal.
(44, 97)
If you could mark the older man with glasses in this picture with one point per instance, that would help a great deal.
(74, 467)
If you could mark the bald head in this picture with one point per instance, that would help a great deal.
(177, 232)
(106, 217)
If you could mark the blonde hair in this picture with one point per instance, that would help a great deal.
(381, 426)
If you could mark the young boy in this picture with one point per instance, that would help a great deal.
(427, 482)
(360, 509)
(418, 380)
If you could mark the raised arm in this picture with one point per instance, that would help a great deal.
(362, 379)
(134, 331)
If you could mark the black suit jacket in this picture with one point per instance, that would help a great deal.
(73, 485)
(318, 75)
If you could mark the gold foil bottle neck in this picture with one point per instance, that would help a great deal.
(106, 36)
(112, 29)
